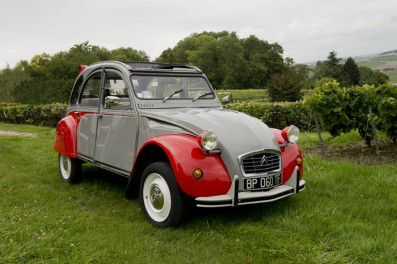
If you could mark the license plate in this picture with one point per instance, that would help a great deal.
(261, 183)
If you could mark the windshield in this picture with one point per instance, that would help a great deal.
(171, 87)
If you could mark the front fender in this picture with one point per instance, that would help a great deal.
(185, 154)
(289, 153)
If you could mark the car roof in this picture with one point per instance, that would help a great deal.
(152, 67)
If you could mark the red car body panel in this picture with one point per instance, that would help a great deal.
(185, 155)
(289, 153)
(65, 141)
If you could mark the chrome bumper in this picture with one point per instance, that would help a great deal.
(234, 197)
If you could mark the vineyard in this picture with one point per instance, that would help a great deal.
(336, 109)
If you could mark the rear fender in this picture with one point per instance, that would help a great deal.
(65, 141)
(184, 155)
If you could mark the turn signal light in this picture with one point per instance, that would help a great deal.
(198, 174)
(298, 161)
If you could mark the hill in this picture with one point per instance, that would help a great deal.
(386, 62)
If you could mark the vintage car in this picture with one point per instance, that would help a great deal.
(162, 127)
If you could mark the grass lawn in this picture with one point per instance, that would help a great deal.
(348, 213)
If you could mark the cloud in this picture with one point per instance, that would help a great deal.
(307, 29)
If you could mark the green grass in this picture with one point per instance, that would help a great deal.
(348, 213)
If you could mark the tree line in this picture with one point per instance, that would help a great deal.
(228, 61)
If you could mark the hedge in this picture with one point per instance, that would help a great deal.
(277, 115)
(244, 94)
(45, 115)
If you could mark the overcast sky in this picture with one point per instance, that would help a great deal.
(307, 30)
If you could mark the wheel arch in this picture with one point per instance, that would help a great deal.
(184, 154)
(65, 141)
(149, 153)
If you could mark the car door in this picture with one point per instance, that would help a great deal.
(88, 113)
(117, 124)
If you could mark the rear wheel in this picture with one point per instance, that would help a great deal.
(69, 169)
(161, 199)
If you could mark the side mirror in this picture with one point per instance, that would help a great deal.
(111, 101)
(226, 99)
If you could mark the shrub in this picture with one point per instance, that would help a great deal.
(330, 102)
(387, 109)
(285, 86)
(245, 94)
(46, 115)
(343, 109)
(277, 115)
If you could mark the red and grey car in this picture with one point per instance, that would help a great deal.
(163, 127)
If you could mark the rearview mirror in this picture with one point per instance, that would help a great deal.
(111, 101)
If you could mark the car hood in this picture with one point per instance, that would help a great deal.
(237, 132)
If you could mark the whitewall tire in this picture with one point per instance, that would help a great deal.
(69, 169)
(161, 199)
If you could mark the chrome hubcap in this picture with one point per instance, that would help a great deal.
(156, 197)
(66, 166)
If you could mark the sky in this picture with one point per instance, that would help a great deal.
(306, 29)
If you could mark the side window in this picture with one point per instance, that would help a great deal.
(75, 93)
(115, 94)
(90, 93)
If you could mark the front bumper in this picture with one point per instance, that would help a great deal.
(235, 197)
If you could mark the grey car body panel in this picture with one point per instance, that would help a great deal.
(86, 134)
(115, 143)
(237, 133)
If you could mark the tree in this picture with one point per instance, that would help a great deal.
(379, 78)
(286, 86)
(304, 73)
(330, 68)
(332, 60)
(351, 73)
(368, 76)
(365, 74)
(228, 61)
(48, 79)
(11, 77)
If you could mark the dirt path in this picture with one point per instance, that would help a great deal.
(15, 133)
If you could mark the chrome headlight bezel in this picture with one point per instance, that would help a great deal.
(208, 140)
(291, 134)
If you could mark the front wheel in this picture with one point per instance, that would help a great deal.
(69, 169)
(161, 199)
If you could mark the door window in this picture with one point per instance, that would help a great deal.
(115, 94)
(90, 93)
(75, 93)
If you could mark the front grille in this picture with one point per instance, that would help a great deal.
(261, 162)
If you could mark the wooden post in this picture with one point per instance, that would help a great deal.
(374, 137)
(319, 133)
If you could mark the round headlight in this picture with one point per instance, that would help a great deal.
(291, 134)
(208, 140)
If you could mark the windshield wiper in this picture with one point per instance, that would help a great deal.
(201, 95)
(171, 95)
